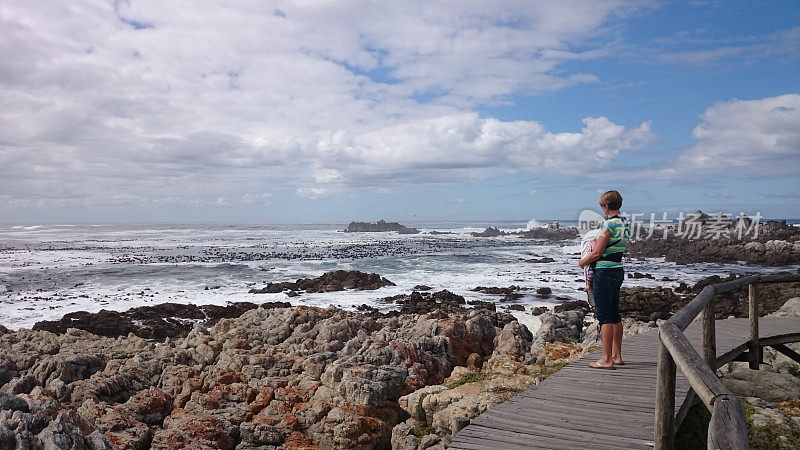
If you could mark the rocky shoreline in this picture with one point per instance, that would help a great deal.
(275, 376)
(777, 244)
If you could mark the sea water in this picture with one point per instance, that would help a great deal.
(47, 271)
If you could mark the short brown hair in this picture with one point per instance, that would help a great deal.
(612, 199)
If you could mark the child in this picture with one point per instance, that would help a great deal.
(589, 242)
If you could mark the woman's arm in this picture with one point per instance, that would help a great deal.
(595, 254)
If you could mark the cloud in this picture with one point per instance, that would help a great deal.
(314, 192)
(467, 147)
(533, 193)
(705, 51)
(197, 100)
(747, 137)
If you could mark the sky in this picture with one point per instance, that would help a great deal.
(316, 110)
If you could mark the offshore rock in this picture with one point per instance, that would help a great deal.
(379, 227)
(337, 280)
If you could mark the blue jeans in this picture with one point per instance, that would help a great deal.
(607, 283)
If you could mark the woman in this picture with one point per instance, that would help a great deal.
(611, 242)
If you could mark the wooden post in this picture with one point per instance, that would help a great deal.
(727, 428)
(709, 336)
(755, 349)
(664, 432)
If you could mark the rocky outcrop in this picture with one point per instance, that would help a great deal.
(550, 233)
(297, 377)
(777, 244)
(379, 227)
(166, 320)
(337, 280)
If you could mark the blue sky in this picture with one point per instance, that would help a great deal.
(350, 110)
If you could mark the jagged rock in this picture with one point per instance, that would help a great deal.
(296, 377)
(183, 429)
(65, 432)
(565, 327)
(544, 292)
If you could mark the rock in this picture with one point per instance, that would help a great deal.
(543, 292)
(150, 406)
(422, 287)
(774, 246)
(149, 322)
(646, 304)
(509, 293)
(260, 434)
(766, 385)
(10, 402)
(380, 226)
(65, 432)
(550, 233)
(577, 305)
(543, 260)
(515, 308)
(489, 232)
(565, 327)
(299, 377)
(791, 308)
(641, 275)
(183, 429)
(539, 310)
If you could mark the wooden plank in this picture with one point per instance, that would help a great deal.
(616, 424)
(555, 431)
(787, 351)
(502, 439)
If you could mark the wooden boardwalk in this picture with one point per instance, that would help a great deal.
(581, 407)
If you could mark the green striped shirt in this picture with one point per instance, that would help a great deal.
(620, 235)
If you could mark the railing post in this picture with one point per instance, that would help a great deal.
(710, 336)
(755, 349)
(664, 429)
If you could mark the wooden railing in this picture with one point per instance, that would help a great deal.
(727, 428)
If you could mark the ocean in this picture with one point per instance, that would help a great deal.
(47, 271)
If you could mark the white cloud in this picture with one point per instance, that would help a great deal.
(747, 137)
(467, 147)
(171, 102)
(534, 193)
(314, 192)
